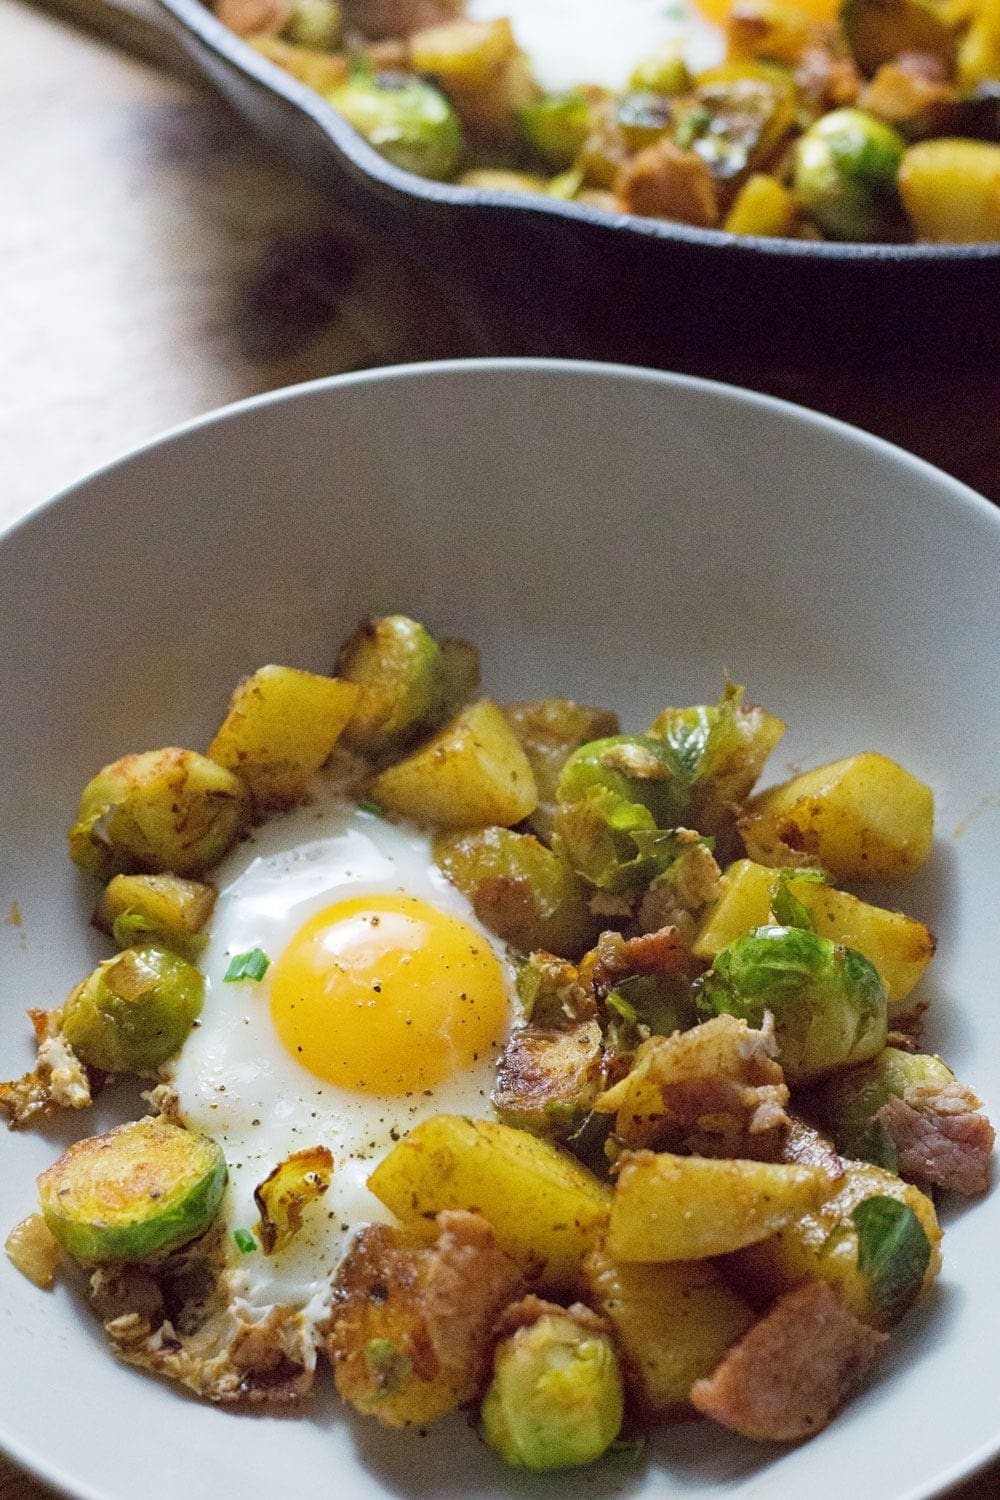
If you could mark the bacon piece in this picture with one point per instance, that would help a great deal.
(941, 1136)
(787, 1377)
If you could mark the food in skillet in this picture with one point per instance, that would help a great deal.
(877, 123)
(511, 1062)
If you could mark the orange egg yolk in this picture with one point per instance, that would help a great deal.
(817, 10)
(388, 995)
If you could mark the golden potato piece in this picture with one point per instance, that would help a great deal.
(471, 774)
(744, 903)
(411, 1329)
(673, 1324)
(689, 1207)
(823, 1244)
(281, 725)
(863, 818)
(951, 189)
(547, 1211)
(899, 946)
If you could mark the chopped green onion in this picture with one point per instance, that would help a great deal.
(893, 1252)
(252, 965)
(244, 1240)
(375, 808)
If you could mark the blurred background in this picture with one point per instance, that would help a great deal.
(158, 260)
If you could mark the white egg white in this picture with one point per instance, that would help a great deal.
(235, 1081)
(571, 42)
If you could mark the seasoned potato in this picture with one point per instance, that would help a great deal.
(898, 945)
(412, 1324)
(521, 890)
(549, 730)
(951, 190)
(154, 908)
(863, 818)
(823, 1244)
(162, 810)
(673, 1324)
(744, 904)
(546, 1209)
(688, 1207)
(143, 1188)
(471, 774)
(281, 725)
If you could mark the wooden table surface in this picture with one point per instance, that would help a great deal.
(157, 261)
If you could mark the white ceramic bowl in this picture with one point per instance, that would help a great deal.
(606, 533)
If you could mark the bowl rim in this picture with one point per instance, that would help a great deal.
(35, 1463)
(198, 28)
(512, 365)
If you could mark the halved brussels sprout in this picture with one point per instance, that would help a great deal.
(163, 810)
(556, 127)
(828, 1002)
(141, 1190)
(619, 801)
(134, 1011)
(847, 1103)
(741, 114)
(522, 891)
(845, 175)
(643, 118)
(405, 119)
(548, 1078)
(555, 1400)
(723, 747)
(399, 667)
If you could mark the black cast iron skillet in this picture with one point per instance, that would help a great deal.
(703, 288)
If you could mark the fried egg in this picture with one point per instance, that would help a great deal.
(600, 41)
(384, 1001)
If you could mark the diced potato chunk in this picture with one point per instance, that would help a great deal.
(282, 724)
(951, 190)
(471, 774)
(163, 906)
(824, 1243)
(862, 818)
(545, 1208)
(743, 905)
(898, 945)
(673, 1324)
(688, 1207)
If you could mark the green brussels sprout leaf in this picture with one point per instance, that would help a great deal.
(893, 1252)
(787, 908)
(828, 1002)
